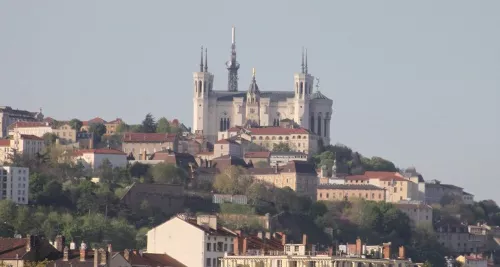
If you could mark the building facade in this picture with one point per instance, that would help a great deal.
(9, 116)
(219, 110)
(93, 158)
(194, 242)
(417, 211)
(136, 144)
(340, 192)
(14, 184)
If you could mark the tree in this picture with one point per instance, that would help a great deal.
(281, 147)
(148, 124)
(163, 126)
(122, 127)
(76, 124)
(49, 139)
(378, 164)
(233, 180)
(168, 174)
(97, 130)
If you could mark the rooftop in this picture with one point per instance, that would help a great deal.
(271, 130)
(148, 138)
(258, 154)
(102, 151)
(349, 187)
(291, 167)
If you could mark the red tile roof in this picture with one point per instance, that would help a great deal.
(257, 154)
(102, 151)
(148, 137)
(271, 130)
(385, 176)
(28, 124)
(31, 137)
(94, 120)
(15, 248)
(152, 259)
(4, 142)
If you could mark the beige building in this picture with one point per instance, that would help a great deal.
(168, 198)
(86, 124)
(227, 147)
(417, 211)
(136, 143)
(65, 133)
(27, 146)
(298, 175)
(112, 125)
(298, 139)
(30, 128)
(339, 192)
(194, 242)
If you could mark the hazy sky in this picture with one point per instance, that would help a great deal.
(416, 82)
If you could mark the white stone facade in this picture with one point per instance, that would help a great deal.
(14, 184)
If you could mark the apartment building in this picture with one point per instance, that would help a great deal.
(9, 116)
(194, 242)
(339, 192)
(227, 147)
(27, 146)
(15, 184)
(36, 128)
(457, 239)
(417, 211)
(300, 176)
(65, 134)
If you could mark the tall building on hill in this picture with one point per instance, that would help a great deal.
(219, 110)
(9, 115)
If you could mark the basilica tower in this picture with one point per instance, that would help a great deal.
(232, 66)
(253, 103)
(202, 86)
(303, 84)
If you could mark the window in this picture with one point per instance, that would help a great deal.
(209, 246)
(209, 262)
(225, 247)
(395, 190)
(214, 262)
(296, 248)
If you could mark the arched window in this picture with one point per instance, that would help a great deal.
(221, 125)
(301, 89)
(319, 125)
(280, 138)
(273, 138)
(228, 123)
(199, 86)
(260, 137)
(267, 137)
(312, 123)
(286, 138)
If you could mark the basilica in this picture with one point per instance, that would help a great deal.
(218, 110)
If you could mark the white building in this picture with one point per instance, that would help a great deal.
(9, 115)
(14, 184)
(93, 158)
(282, 158)
(27, 146)
(219, 110)
(196, 242)
(30, 128)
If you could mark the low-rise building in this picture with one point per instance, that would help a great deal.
(300, 176)
(36, 128)
(136, 143)
(194, 242)
(9, 116)
(435, 191)
(93, 158)
(15, 184)
(26, 146)
(257, 156)
(86, 124)
(282, 158)
(65, 133)
(227, 147)
(112, 125)
(339, 192)
(134, 258)
(472, 260)
(21, 251)
(417, 211)
(467, 198)
(457, 239)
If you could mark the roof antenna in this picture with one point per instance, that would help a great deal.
(206, 60)
(317, 84)
(303, 60)
(201, 60)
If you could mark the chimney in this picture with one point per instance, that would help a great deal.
(283, 239)
(31, 242)
(304, 239)
(237, 245)
(110, 249)
(402, 255)
(103, 254)
(72, 245)
(244, 249)
(268, 235)
(259, 235)
(65, 254)
(126, 254)
(83, 252)
(96, 258)
(330, 251)
(387, 250)
(59, 243)
(359, 247)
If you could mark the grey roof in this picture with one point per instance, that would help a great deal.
(319, 95)
(350, 186)
(275, 96)
(291, 153)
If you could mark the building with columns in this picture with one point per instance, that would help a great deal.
(218, 110)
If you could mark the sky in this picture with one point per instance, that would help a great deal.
(416, 82)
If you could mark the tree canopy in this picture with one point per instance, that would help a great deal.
(163, 126)
(76, 124)
(148, 124)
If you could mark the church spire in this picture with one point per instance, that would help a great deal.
(201, 60)
(306, 63)
(233, 65)
(206, 60)
(303, 66)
